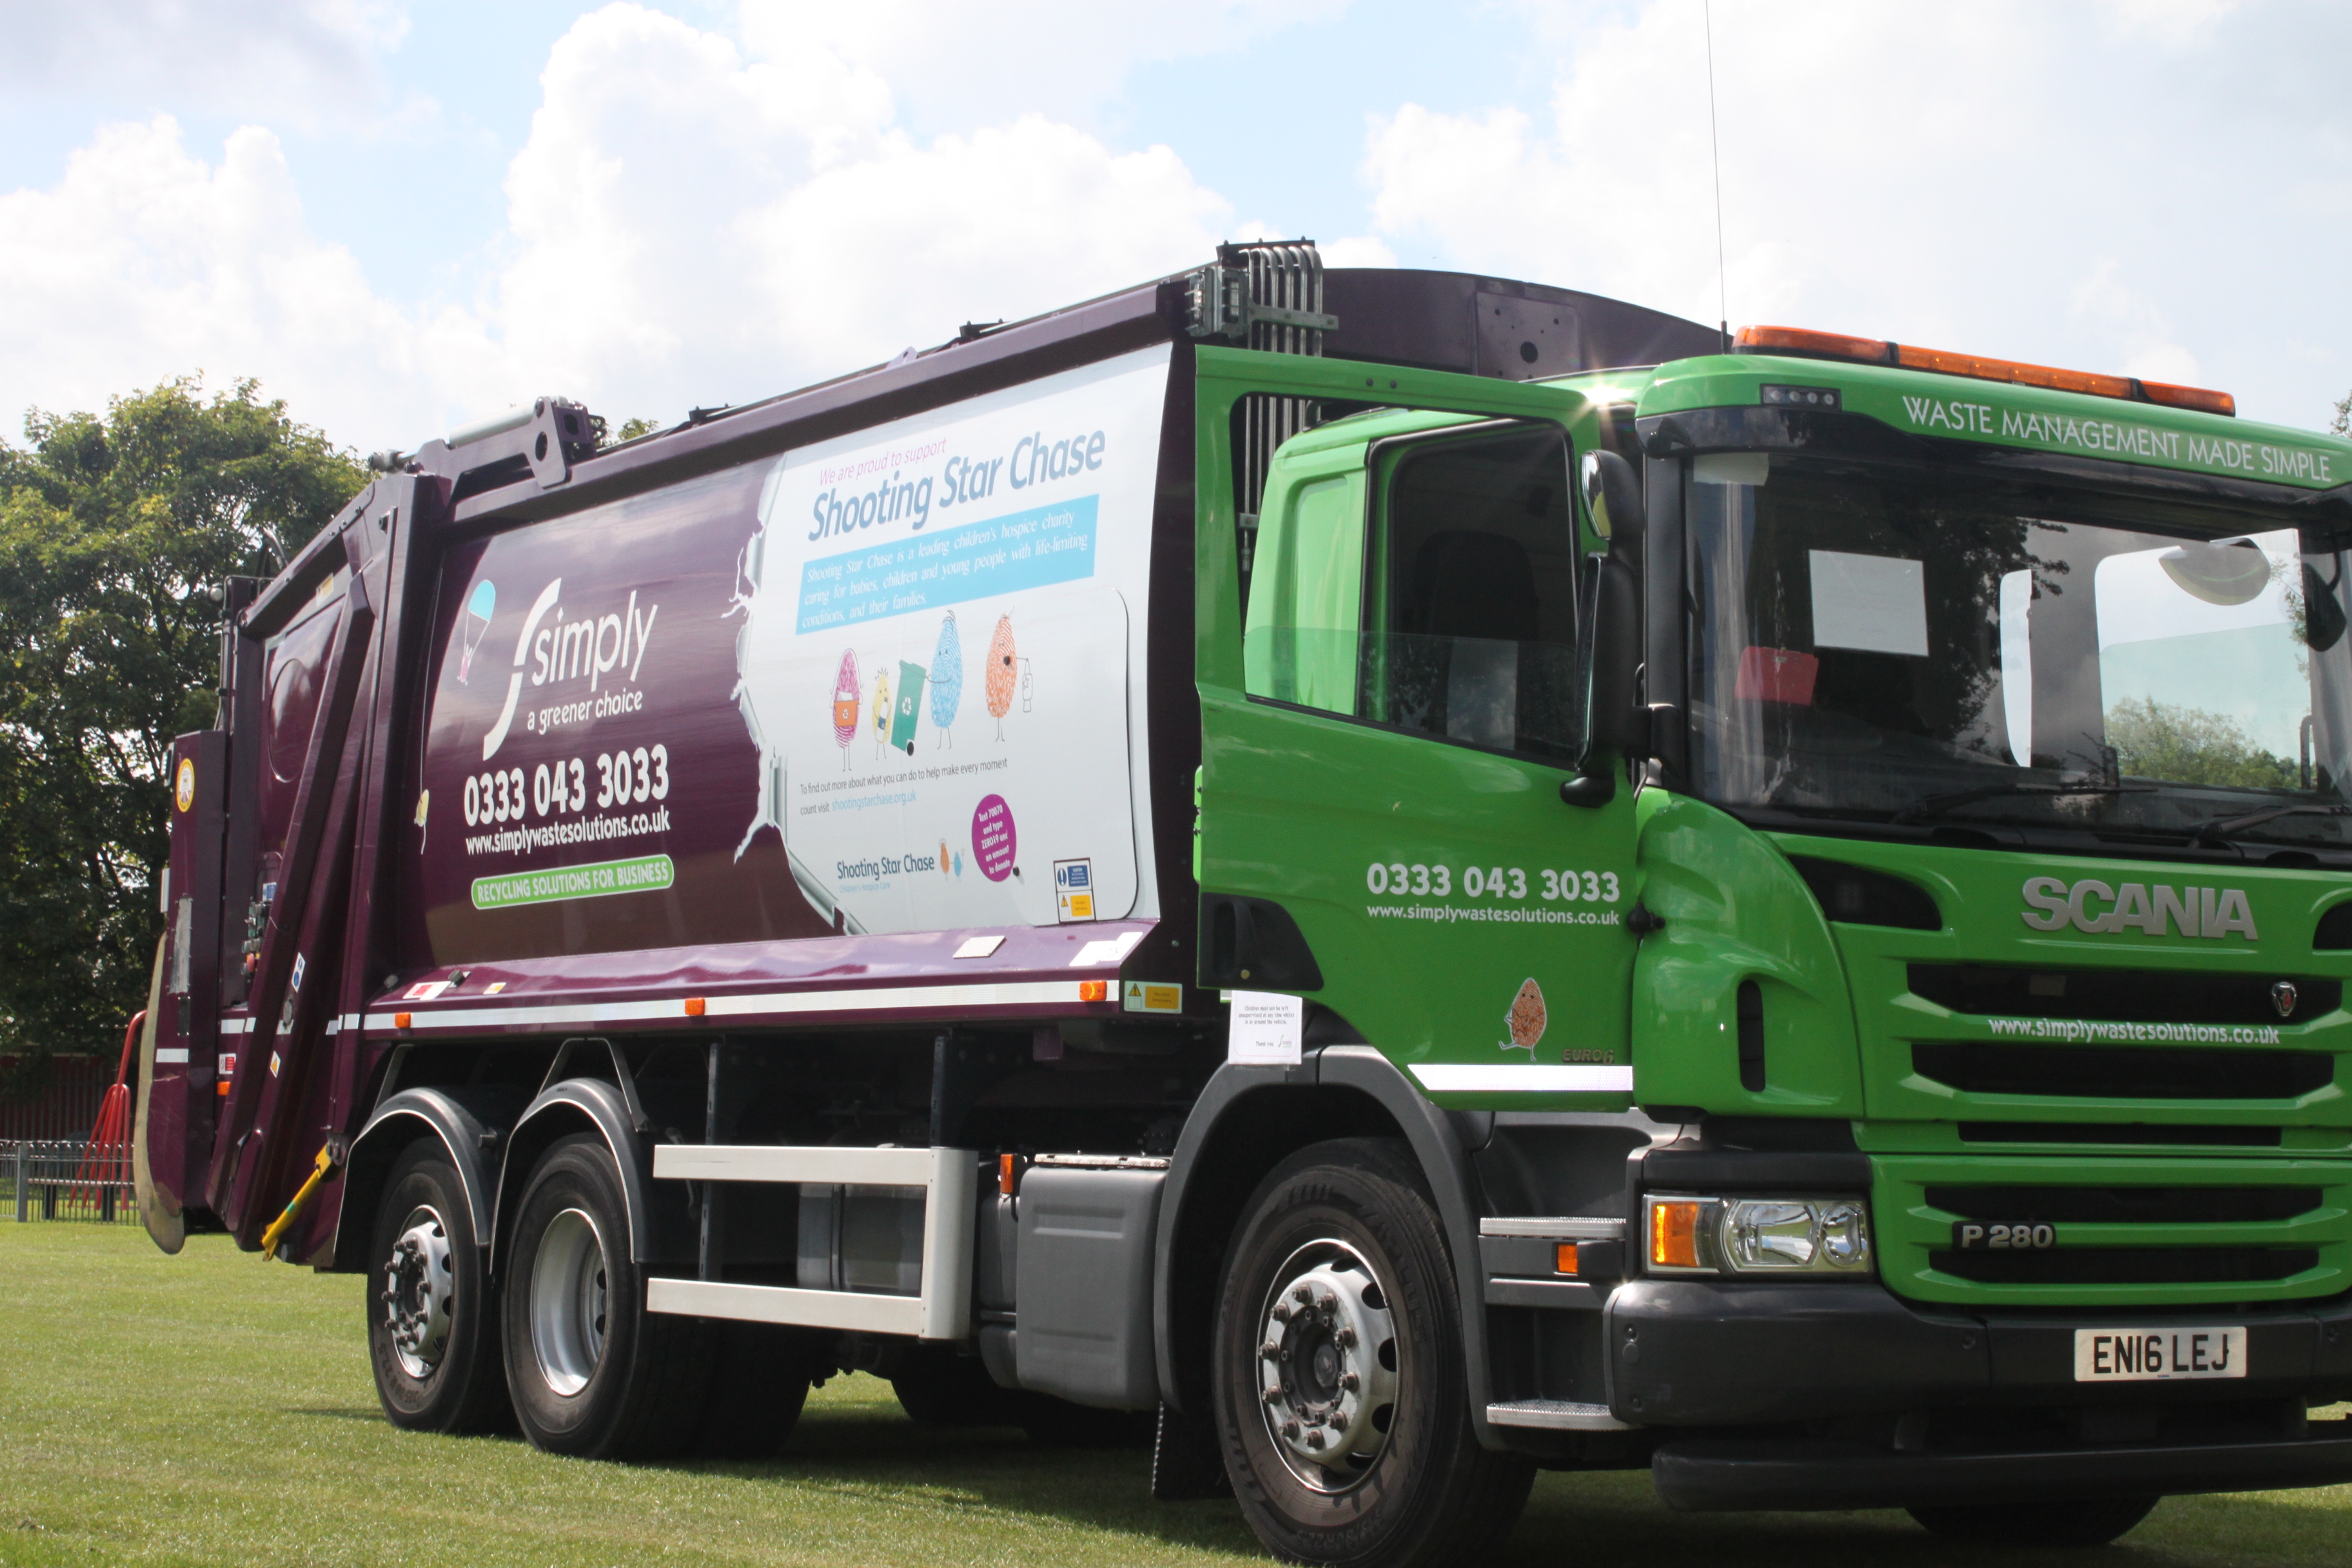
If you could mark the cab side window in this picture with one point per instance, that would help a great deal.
(1448, 606)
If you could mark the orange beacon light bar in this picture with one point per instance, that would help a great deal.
(1878, 351)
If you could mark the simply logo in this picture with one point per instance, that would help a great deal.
(2091, 905)
(590, 648)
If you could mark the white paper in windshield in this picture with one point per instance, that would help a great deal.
(1877, 603)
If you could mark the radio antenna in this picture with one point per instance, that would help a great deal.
(1714, 146)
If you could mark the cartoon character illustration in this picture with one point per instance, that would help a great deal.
(1526, 1019)
(845, 704)
(1003, 657)
(910, 707)
(947, 679)
(479, 603)
(943, 857)
(881, 711)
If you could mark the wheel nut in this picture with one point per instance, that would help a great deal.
(1315, 1438)
(1281, 1313)
(1344, 1338)
(1290, 1430)
(1270, 1351)
(1350, 1382)
(1304, 1296)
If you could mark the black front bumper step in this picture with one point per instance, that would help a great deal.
(1708, 1474)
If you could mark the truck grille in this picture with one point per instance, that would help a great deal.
(2056, 1204)
(2128, 1265)
(2122, 1072)
(2143, 1227)
(2123, 996)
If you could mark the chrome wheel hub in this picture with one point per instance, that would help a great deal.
(419, 1294)
(568, 1301)
(1327, 1365)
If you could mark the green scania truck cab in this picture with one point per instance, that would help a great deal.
(1922, 1003)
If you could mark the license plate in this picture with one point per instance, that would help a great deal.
(2157, 1356)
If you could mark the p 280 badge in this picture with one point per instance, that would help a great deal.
(1973, 1236)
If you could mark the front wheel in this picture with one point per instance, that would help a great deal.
(432, 1327)
(2091, 1523)
(593, 1373)
(1342, 1403)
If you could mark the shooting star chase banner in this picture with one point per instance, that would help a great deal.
(941, 625)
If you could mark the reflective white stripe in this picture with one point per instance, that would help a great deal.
(1027, 994)
(165, 1056)
(236, 1025)
(1451, 1077)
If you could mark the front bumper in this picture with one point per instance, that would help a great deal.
(1967, 1407)
(1699, 1475)
(1703, 1352)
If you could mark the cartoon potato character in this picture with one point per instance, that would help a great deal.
(1003, 660)
(844, 703)
(1526, 1019)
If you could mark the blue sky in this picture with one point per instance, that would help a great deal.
(398, 213)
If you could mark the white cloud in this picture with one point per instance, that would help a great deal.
(305, 60)
(684, 225)
(144, 262)
(969, 64)
(2118, 187)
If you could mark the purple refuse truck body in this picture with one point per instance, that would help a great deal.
(783, 827)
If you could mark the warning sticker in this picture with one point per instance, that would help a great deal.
(1142, 997)
(1074, 889)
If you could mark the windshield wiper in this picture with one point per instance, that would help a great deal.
(1936, 804)
(2217, 832)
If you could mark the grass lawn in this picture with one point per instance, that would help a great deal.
(214, 1409)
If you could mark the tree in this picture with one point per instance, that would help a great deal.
(114, 533)
(2187, 745)
(2341, 423)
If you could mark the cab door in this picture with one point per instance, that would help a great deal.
(1390, 709)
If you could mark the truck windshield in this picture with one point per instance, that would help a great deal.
(1902, 644)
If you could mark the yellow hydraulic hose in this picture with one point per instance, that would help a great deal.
(285, 1221)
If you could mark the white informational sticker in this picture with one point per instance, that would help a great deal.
(426, 991)
(1877, 603)
(1110, 950)
(1267, 1029)
(980, 946)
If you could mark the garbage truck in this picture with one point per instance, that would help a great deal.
(1387, 879)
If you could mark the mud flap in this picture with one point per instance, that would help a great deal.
(160, 1214)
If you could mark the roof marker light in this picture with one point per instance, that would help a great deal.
(1880, 350)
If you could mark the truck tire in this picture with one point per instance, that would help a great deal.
(759, 1381)
(1341, 1401)
(593, 1375)
(938, 1388)
(2091, 1522)
(432, 1326)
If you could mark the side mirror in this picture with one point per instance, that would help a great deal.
(1612, 495)
(1616, 728)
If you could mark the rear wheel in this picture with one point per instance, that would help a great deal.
(432, 1327)
(593, 1375)
(1342, 1404)
(2093, 1522)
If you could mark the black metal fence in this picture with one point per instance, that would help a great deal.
(61, 1178)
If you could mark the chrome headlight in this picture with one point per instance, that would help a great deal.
(1757, 1236)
